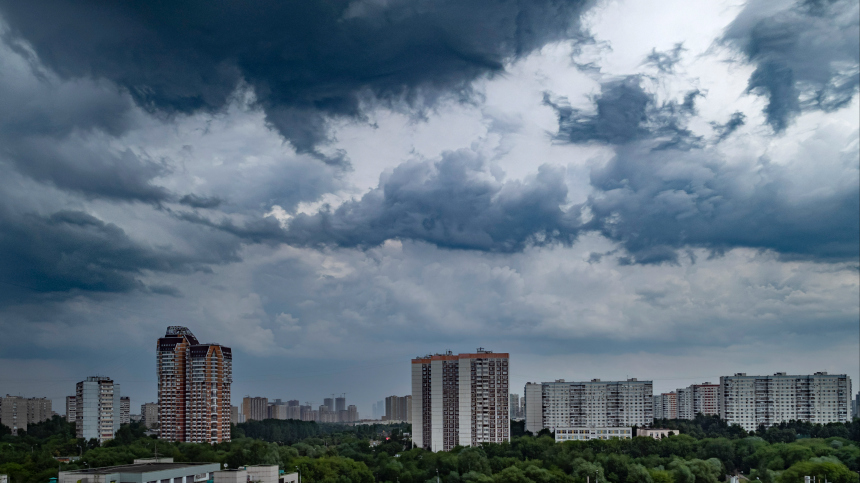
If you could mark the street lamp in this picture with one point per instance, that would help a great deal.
(300, 473)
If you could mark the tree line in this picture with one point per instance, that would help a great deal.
(705, 451)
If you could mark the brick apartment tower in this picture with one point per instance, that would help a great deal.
(460, 400)
(193, 388)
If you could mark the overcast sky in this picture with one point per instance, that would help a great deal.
(666, 190)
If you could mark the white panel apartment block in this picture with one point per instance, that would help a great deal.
(751, 401)
(532, 393)
(592, 404)
(464, 399)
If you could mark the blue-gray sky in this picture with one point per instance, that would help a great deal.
(667, 190)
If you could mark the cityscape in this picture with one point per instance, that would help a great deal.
(456, 400)
(430, 241)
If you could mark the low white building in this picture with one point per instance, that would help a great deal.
(656, 433)
(143, 473)
(585, 434)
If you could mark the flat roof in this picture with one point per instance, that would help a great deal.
(139, 468)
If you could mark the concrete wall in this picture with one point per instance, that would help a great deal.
(231, 476)
(263, 473)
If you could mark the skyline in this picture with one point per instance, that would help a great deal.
(603, 189)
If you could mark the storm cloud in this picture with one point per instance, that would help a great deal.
(806, 54)
(306, 61)
(455, 202)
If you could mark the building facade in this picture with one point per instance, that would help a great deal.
(193, 388)
(666, 406)
(751, 401)
(124, 410)
(398, 408)
(71, 408)
(460, 400)
(255, 408)
(98, 403)
(585, 434)
(149, 414)
(592, 404)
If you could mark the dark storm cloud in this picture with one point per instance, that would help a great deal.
(626, 112)
(71, 252)
(656, 202)
(58, 133)
(452, 203)
(806, 56)
(195, 201)
(305, 60)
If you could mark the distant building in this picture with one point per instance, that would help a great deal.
(591, 404)
(666, 406)
(514, 406)
(340, 404)
(697, 399)
(255, 408)
(149, 414)
(398, 408)
(13, 413)
(656, 433)
(329, 403)
(751, 401)
(277, 410)
(71, 408)
(98, 407)
(194, 382)
(135, 418)
(351, 413)
(294, 412)
(460, 400)
(124, 410)
(378, 410)
(855, 406)
(585, 434)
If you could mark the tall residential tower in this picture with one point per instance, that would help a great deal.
(460, 400)
(193, 388)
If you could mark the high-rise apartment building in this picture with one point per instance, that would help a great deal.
(351, 413)
(750, 401)
(193, 388)
(378, 410)
(255, 408)
(460, 400)
(593, 404)
(277, 410)
(666, 406)
(328, 402)
(340, 404)
(98, 403)
(149, 414)
(124, 410)
(71, 408)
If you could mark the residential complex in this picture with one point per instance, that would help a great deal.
(698, 399)
(592, 404)
(193, 388)
(398, 408)
(97, 408)
(514, 407)
(750, 401)
(17, 412)
(460, 399)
